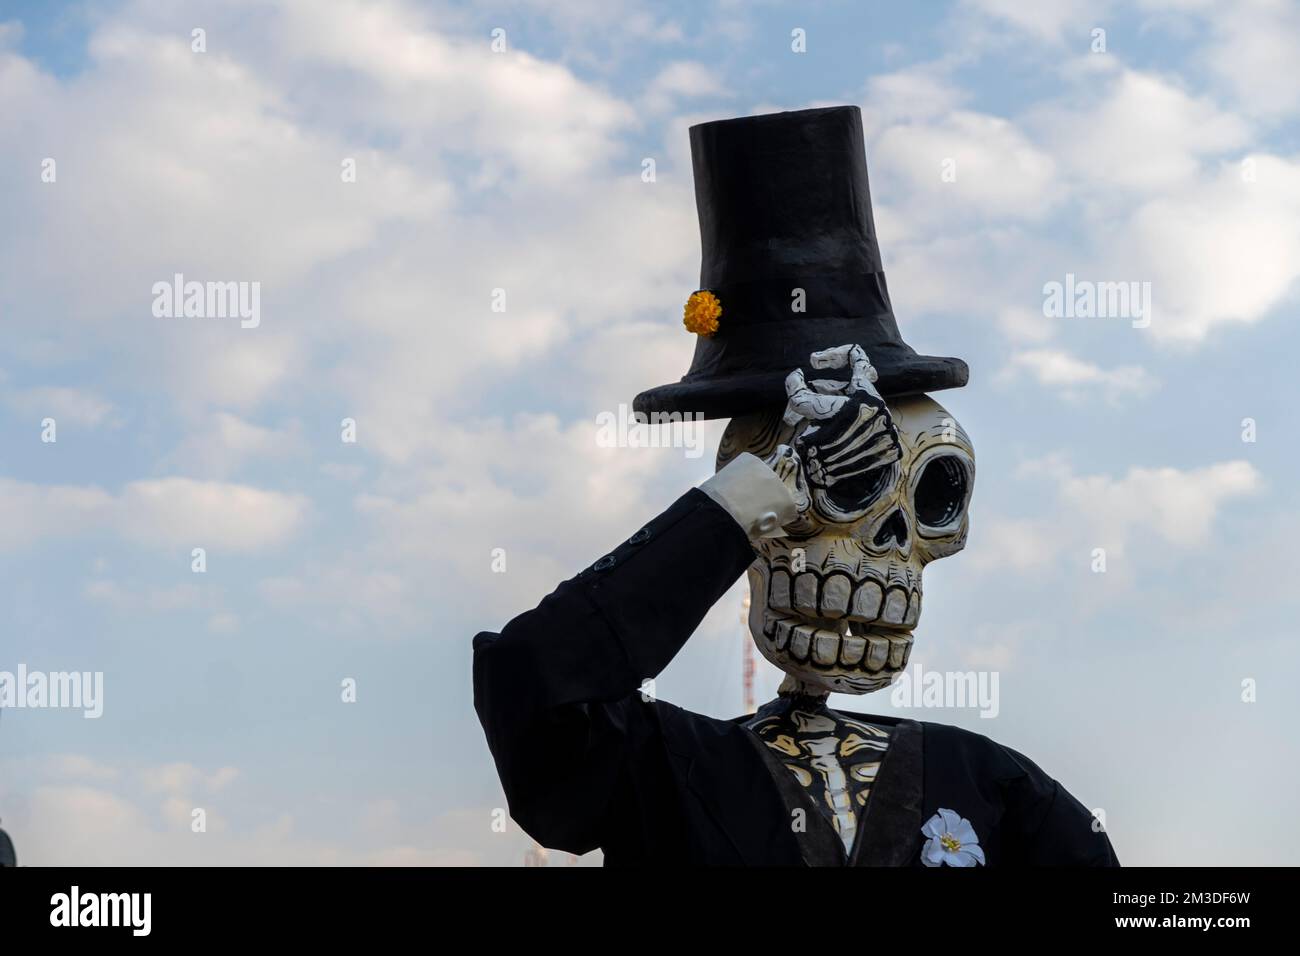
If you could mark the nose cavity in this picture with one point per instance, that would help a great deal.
(893, 528)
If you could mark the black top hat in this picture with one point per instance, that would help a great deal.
(784, 206)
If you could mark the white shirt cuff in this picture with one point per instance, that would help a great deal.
(753, 495)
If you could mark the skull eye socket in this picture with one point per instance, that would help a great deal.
(856, 494)
(941, 491)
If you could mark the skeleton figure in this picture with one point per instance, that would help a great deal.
(831, 496)
(882, 490)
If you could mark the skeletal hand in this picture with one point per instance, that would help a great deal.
(850, 433)
(784, 460)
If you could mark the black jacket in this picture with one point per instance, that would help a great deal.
(587, 762)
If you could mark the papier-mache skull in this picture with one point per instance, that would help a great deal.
(882, 490)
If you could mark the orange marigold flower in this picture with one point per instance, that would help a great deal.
(702, 312)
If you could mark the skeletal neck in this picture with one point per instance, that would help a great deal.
(793, 687)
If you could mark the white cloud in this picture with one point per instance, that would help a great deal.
(184, 779)
(1178, 506)
(1252, 44)
(1046, 20)
(32, 512)
(233, 369)
(76, 766)
(266, 191)
(1147, 173)
(434, 347)
(64, 404)
(171, 512)
(1020, 544)
(998, 647)
(921, 92)
(1076, 379)
(547, 125)
(352, 595)
(225, 442)
(79, 812)
(151, 599)
(248, 188)
(1020, 324)
(1259, 44)
(1226, 250)
(993, 170)
(187, 513)
(1167, 511)
(680, 80)
(1143, 133)
(544, 491)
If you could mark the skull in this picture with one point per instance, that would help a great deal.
(834, 603)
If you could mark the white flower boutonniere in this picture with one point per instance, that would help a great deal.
(952, 840)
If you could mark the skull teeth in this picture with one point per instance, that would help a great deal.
(852, 650)
(913, 611)
(825, 648)
(866, 601)
(898, 650)
(895, 607)
(836, 591)
(837, 598)
(808, 643)
(778, 594)
(805, 592)
(877, 653)
(801, 642)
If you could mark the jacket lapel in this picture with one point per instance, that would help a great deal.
(819, 844)
(889, 833)
(735, 790)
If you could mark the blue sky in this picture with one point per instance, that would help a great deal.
(1171, 158)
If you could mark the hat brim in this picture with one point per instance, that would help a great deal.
(732, 395)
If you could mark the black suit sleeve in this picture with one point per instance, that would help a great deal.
(1049, 827)
(557, 690)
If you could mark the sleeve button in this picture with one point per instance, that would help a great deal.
(640, 537)
(604, 564)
